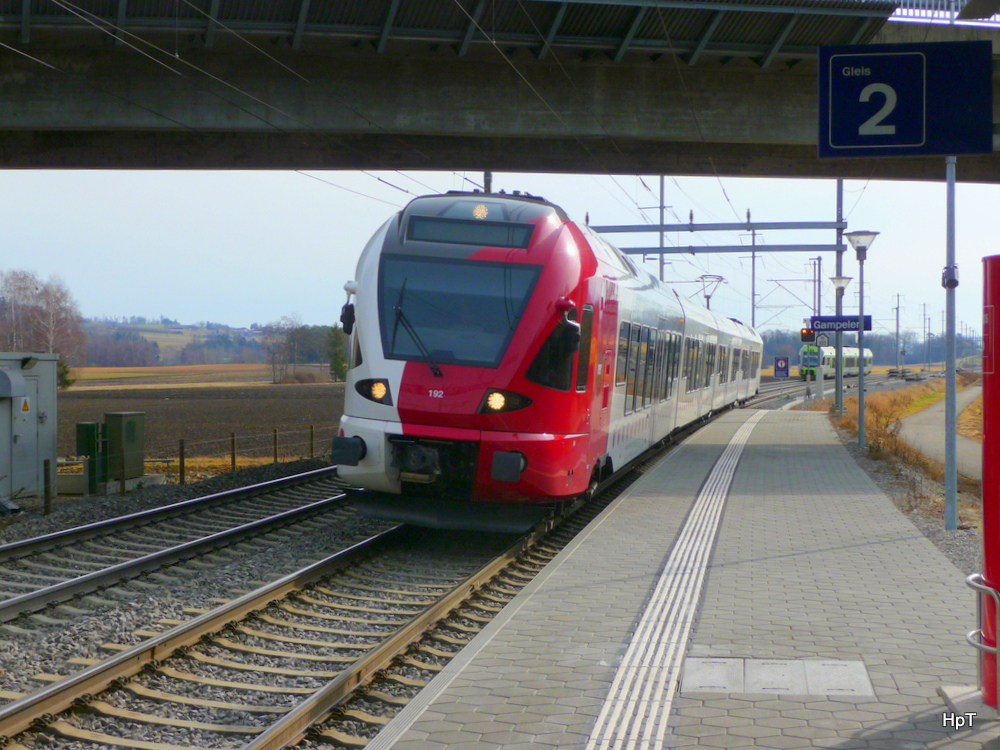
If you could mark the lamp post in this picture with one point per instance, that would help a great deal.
(861, 241)
(840, 284)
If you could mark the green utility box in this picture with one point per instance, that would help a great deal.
(90, 442)
(126, 444)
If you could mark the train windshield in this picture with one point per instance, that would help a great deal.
(447, 311)
(810, 358)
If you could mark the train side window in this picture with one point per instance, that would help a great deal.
(709, 363)
(661, 349)
(553, 365)
(586, 332)
(633, 359)
(688, 363)
(621, 367)
(670, 362)
(676, 364)
(737, 354)
(640, 375)
(648, 383)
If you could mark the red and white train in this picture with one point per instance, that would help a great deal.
(504, 358)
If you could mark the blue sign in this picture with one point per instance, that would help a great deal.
(781, 367)
(838, 323)
(906, 99)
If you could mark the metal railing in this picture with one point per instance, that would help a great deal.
(975, 637)
(937, 11)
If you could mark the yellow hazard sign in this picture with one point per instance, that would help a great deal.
(25, 404)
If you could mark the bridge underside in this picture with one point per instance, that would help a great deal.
(66, 102)
(597, 155)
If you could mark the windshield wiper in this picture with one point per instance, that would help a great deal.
(401, 318)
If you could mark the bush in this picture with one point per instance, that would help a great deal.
(299, 377)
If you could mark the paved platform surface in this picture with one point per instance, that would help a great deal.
(800, 610)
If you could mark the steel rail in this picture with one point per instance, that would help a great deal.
(99, 528)
(90, 582)
(20, 715)
(294, 725)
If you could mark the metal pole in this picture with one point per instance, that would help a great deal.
(991, 474)
(753, 274)
(861, 350)
(839, 343)
(662, 222)
(950, 281)
(47, 481)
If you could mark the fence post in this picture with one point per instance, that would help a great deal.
(232, 450)
(275, 445)
(47, 468)
(181, 462)
(312, 442)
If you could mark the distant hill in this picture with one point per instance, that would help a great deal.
(170, 338)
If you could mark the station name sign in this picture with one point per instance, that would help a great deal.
(838, 323)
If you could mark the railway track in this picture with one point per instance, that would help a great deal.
(276, 665)
(325, 655)
(43, 571)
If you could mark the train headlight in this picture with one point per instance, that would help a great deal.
(376, 390)
(496, 401)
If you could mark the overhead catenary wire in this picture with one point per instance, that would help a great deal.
(112, 29)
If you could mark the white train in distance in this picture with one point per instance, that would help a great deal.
(811, 357)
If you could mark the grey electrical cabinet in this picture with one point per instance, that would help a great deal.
(126, 443)
(27, 424)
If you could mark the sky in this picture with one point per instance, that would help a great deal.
(251, 247)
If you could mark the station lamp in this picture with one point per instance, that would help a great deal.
(861, 241)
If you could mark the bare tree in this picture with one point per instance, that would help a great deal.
(279, 345)
(40, 316)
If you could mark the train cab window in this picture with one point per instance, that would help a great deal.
(583, 362)
(621, 365)
(553, 365)
(451, 311)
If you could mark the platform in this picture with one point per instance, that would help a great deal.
(754, 589)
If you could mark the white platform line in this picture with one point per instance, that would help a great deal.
(635, 713)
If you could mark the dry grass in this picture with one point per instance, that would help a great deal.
(884, 413)
(189, 375)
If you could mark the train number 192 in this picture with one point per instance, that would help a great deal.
(435, 393)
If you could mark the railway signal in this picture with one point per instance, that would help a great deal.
(808, 335)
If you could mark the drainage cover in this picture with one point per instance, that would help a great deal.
(776, 677)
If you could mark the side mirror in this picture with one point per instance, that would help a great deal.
(347, 318)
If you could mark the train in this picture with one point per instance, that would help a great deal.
(504, 361)
(812, 356)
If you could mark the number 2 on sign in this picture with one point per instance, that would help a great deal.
(872, 125)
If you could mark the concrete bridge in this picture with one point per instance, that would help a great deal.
(603, 86)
